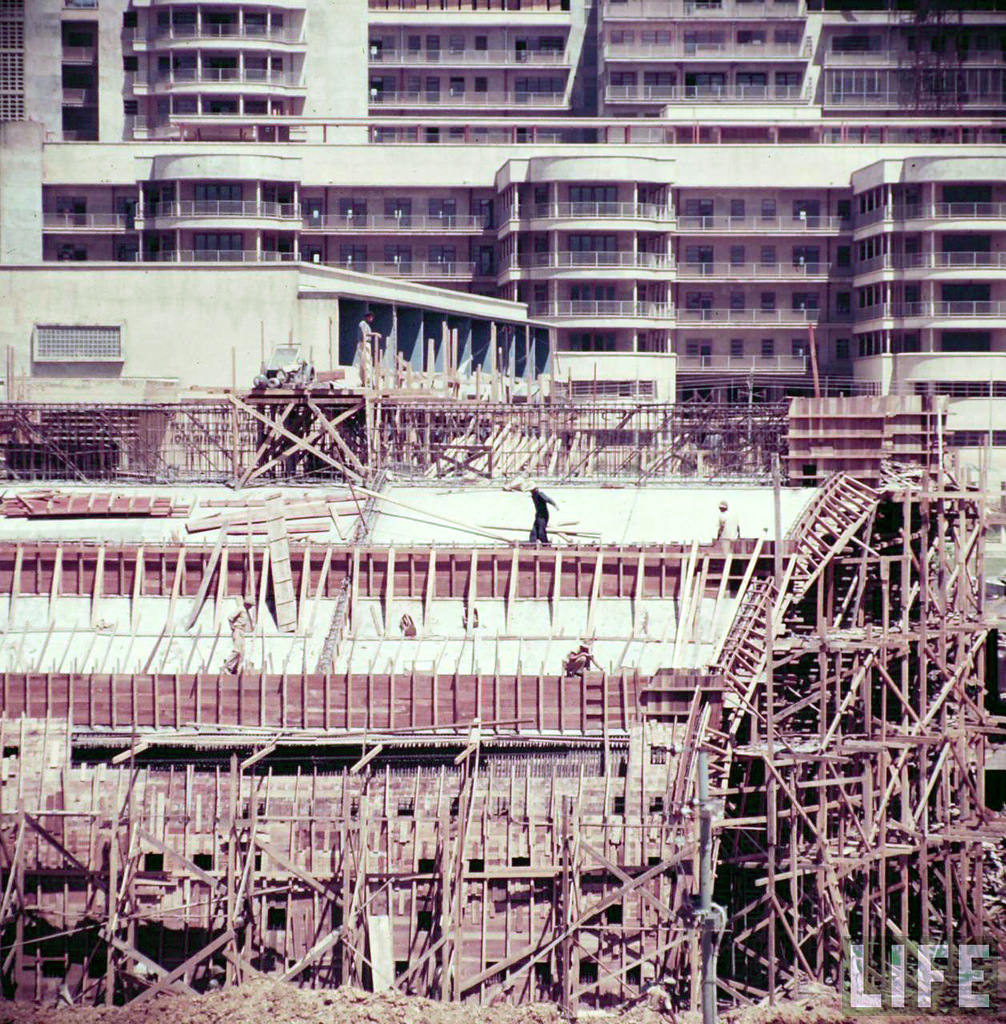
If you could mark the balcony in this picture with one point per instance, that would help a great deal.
(905, 102)
(727, 50)
(486, 100)
(934, 261)
(706, 94)
(726, 224)
(755, 271)
(218, 256)
(472, 6)
(221, 209)
(228, 76)
(603, 211)
(749, 317)
(416, 270)
(933, 310)
(592, 260)
(697, 10)
(80, 97)
(228, 31)
(466, 58)
(575, 309)
(904, 58)
(742, 364)
(87, 221)
(79, 54)
(389, 224)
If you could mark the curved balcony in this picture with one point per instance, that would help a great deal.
(385, 224)
(728, 225)
(749, 317)
(632, 215)
(246, 37)
(943, 216)
(603, 310)
(957, 312)
(243, 214)
(754, 271)
(249, 80)
(468, 7)
(63, 222)
(934, 264)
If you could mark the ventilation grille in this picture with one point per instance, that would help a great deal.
(11, 60)
(58, 344)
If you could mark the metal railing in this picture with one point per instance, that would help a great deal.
(754, 271)
(749, 316)
(217, 76)
(699, 9)
(80, 97)
(448, 98)
(934, 261)
(466, 58)
(388, 222)
(51, 219)
(227, 30)
(727, 49)
(896, 58)
(952, 308)
(706, 93)
(762, 225)
(603, 308)
(425, 270)
(218, 256)
(472, 6)
(744, 364)
(223, 208)
(645, 260)
(81, 54)
(604, 211)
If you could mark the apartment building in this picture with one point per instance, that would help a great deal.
(709, 198)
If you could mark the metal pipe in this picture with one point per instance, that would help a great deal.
(706, 893)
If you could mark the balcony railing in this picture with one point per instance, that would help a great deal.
(466, 99)
(420, 270)
(934, 261)
(905, 58)
(762, 225)
(643, 260)
(183, 208)
(743, 364)
(79, 54)
(113, 221)
(466, 58)
(472, 224)
(218, 256)
(903, 101)
(699, 9)
(727, 50)
(80, 97)
(753, 271)
(933, 309)
(227, 30)
(755, 317)
(473, 6)
(706, 94)
(576, 308)
(218, 76)
(604, 211)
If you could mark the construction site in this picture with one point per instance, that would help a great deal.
(288, 693)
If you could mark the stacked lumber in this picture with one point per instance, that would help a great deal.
(302, 517)
(57, 504)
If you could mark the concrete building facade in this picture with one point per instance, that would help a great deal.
(694, 198)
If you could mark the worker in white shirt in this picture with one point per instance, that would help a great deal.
(369, 340)
(727, 527)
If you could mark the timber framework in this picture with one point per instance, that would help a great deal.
(403, 787)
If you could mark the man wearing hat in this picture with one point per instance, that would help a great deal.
(541, 501)
(727, 527)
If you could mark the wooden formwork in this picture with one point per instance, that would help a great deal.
(351, 828)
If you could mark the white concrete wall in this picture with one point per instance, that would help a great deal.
(20, 193)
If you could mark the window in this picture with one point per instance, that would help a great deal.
(842, 349)
(737, 301)
(64, 343)
(768, 347)
(736, 255)
(767, 302)
(658, 755)
(736, 347)
(768, 209)
(805, 300)
(737, 208)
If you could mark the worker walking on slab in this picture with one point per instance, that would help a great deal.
(541, 501)
(727, 527)
(242, 626)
